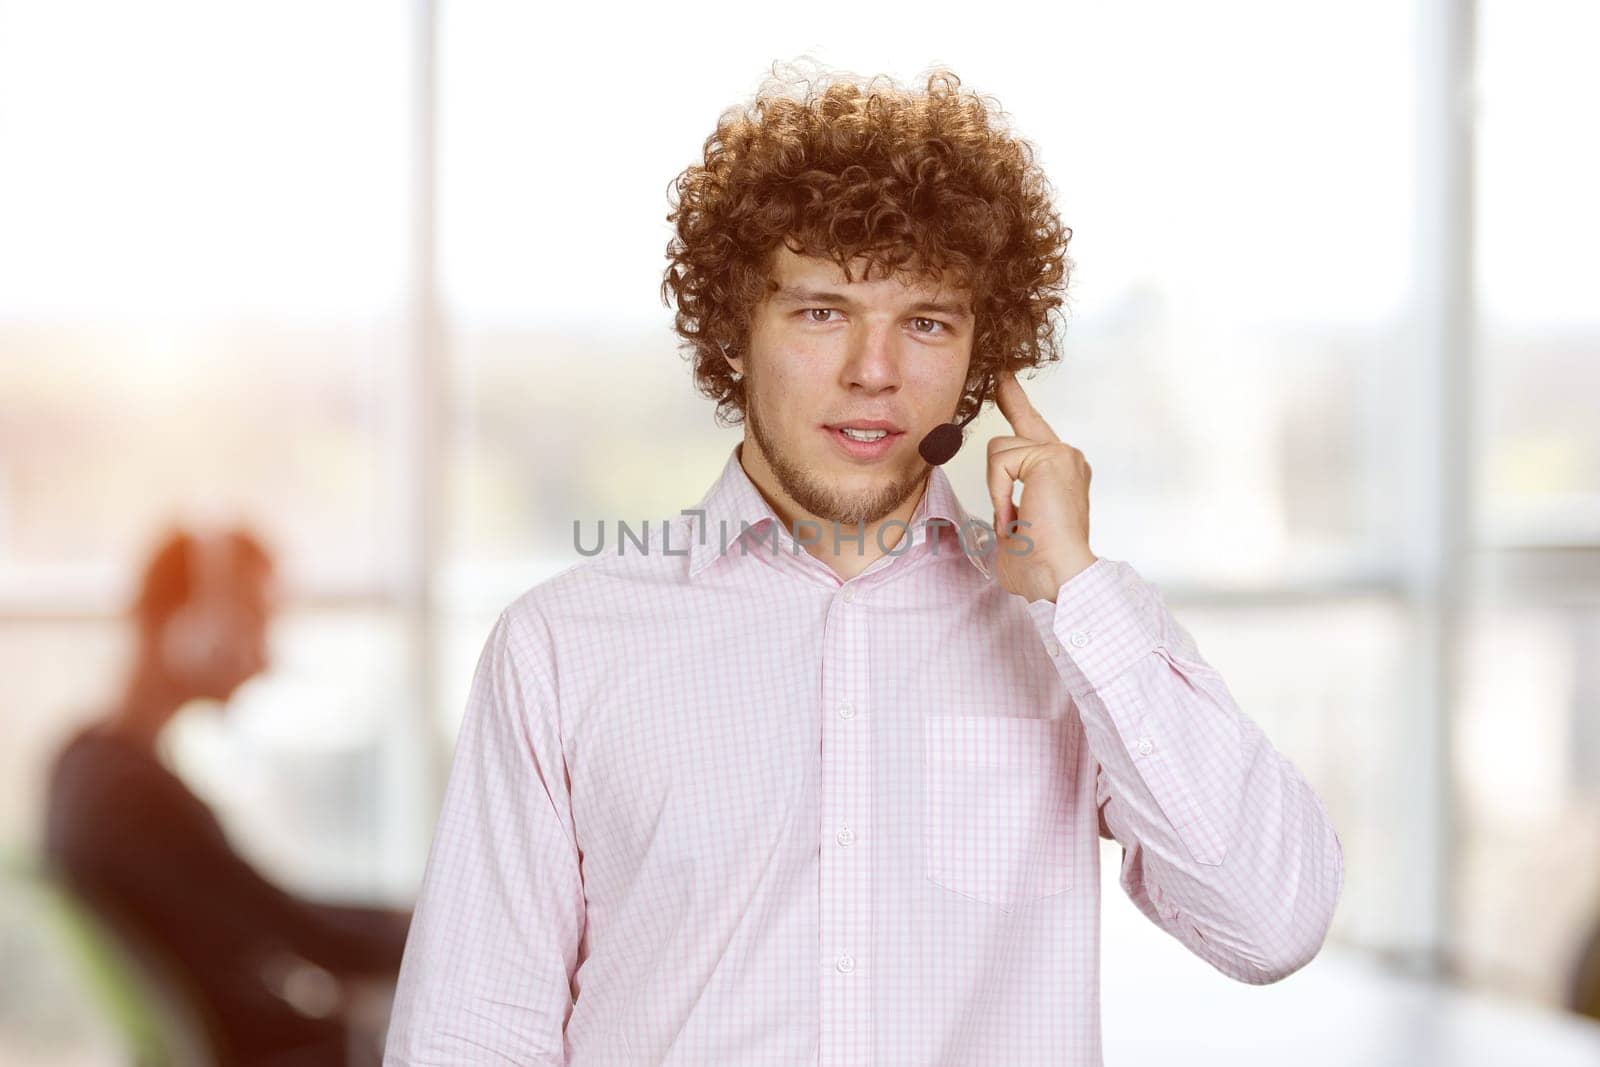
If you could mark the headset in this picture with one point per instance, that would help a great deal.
(207, 632)
(940, 444)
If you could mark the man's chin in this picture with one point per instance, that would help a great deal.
(831, 485)
(854, 482)
(865, 495)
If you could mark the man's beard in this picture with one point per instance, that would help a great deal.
(820, 499)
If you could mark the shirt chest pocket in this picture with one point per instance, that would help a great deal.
(997, 826)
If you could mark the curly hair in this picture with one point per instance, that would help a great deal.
(914, 183)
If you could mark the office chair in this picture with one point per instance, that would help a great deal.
(137, 993)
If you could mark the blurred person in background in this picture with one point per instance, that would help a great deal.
(264, 971)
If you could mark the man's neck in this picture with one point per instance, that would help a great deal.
(849, 557)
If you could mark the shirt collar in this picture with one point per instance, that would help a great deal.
(719, 520)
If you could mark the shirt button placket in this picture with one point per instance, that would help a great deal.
(844, 879)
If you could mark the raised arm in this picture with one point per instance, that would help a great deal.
(1225, 845)
(487, 975)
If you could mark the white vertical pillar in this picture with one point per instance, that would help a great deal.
(1441, 469)
(415, 765)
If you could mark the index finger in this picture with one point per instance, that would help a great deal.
(1019, 410)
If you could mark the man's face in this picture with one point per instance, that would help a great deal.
(825, 355)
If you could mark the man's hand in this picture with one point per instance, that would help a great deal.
(1054, 510)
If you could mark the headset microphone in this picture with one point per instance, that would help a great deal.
(941, 443)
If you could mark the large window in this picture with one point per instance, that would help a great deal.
(383, 281)
(203, 312)
(1528, 739)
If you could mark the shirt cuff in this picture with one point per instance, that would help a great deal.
(1098, 626)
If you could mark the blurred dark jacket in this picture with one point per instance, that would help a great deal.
(1583, 994)
(144, 851)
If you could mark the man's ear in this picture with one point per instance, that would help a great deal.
(736, 362)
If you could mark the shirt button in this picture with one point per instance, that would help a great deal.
(1079, 639)
(1052, 648)
(1146, 746)
(846, 836)
(847, 710)
(846, 964)
(849, 594)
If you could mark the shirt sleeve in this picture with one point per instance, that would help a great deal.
(494, 943)
(1225, 845)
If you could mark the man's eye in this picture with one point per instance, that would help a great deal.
(920, 324)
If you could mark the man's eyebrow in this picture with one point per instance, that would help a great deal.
(792, 294)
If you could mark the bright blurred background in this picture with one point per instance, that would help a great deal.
(381, 281)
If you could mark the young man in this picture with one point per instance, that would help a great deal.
(819, 776)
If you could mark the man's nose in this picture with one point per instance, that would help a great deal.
(874, 363)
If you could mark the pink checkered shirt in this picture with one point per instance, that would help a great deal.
(719, 807)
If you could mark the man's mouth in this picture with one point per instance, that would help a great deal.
(865, 438)
(866, 429)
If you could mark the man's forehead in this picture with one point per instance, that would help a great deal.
(795, 271)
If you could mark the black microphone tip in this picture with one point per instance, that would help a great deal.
(941, 443)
